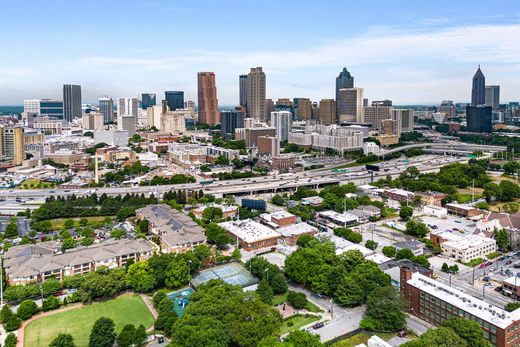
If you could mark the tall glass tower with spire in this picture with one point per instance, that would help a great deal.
(478, 91)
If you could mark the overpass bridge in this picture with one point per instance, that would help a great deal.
(448, 147)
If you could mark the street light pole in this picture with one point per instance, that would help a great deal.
(267, 274)
(189, 272)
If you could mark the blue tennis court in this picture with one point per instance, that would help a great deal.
(232, 273)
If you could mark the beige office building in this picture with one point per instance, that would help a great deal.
(92, 121)
(350, 105)
(174, 121)
(256, 105)
(12, 144)
(375, 114)
(327, 111)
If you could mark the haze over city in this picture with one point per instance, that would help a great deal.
(411, 53)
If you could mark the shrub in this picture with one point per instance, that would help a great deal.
(296, 299)
(27, 309)
(13, 323)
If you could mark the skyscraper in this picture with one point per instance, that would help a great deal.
(106, 108)
(147, 100)
(405, 118)
(327, 111)
(303, 107)
(256, 94)
(71, 102)
(479, 118)
(12, 144)
(478, 91)
(174, 99)
(229, 121)
(344, 80)
(242, 85)
(493, 96)
(126, 107)
(282, 122)
(207, 96)
(350, 105)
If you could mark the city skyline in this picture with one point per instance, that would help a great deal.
(422, 59)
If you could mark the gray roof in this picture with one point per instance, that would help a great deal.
(21, 265)
(411, 244)
(175, 228)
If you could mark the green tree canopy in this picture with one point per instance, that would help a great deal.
(102, 333)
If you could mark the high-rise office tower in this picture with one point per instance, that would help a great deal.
(479, 118)
(327, 111)
(303, 108)
(174, 99)
(448, 108)
(478, 91)
(32, 106)
(147, 100)
(405, 118)
(207, 96)
(242, 85)
(375, 114)
(127, 107)
(106, 108)
(12, 144)
(71, 102)
(350, 105)
(343, 81)
(229, 121)
(493, 96)
(92, 121)
(51, 108)
(282, 122)
(256, 94)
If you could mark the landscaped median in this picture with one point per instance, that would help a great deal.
(78, 321)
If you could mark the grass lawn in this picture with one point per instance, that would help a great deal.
(125, 309)
(297, 321)
(279, 299)
(35, 184)
(58, 222)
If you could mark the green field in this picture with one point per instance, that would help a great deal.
(58, 222)
(125, 309)
(297, 321)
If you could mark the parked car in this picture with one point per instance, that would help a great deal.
(318, 325)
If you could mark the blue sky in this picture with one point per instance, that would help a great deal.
(414, 51)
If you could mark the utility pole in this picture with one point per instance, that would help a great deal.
(1, 280)
(473, 191)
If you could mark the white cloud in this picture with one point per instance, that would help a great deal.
(421, 65)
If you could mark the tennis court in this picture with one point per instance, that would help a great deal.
(232, 273)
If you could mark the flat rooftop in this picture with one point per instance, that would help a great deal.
(481, 309)
(296, 229)
(249, 230)
(339, 217)
(468, 242)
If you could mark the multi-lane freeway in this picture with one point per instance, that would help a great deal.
(263, 184)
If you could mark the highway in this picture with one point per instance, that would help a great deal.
(263, 184)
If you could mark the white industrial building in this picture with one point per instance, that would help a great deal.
(321, 137)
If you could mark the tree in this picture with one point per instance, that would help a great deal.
(217, 235)
(63, 340)
(421, 260)
(279, 284)
(278, 200)
(297, 300)
(384, 311)
(5, 313)
(51, 303)
(212, 214)
(511, 207)
(404, 253)
(370, 244)
(140, 335)
(126, 336)
(117, 234)
(442, 337)
(208, 331)
(304, 240)
(10, 340)
(12, 323)
(265, 292)
(405, 213)
(140, 278)
(50, 286)
(236, 254)
(102, 334)
(416, 228)
(302, 338)
(389, 251)
(502, 238)
(11, 230)
(68, 244)
(27, 309)
(467, 329)
(68, 224)
(221, 160)
(177, 273)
